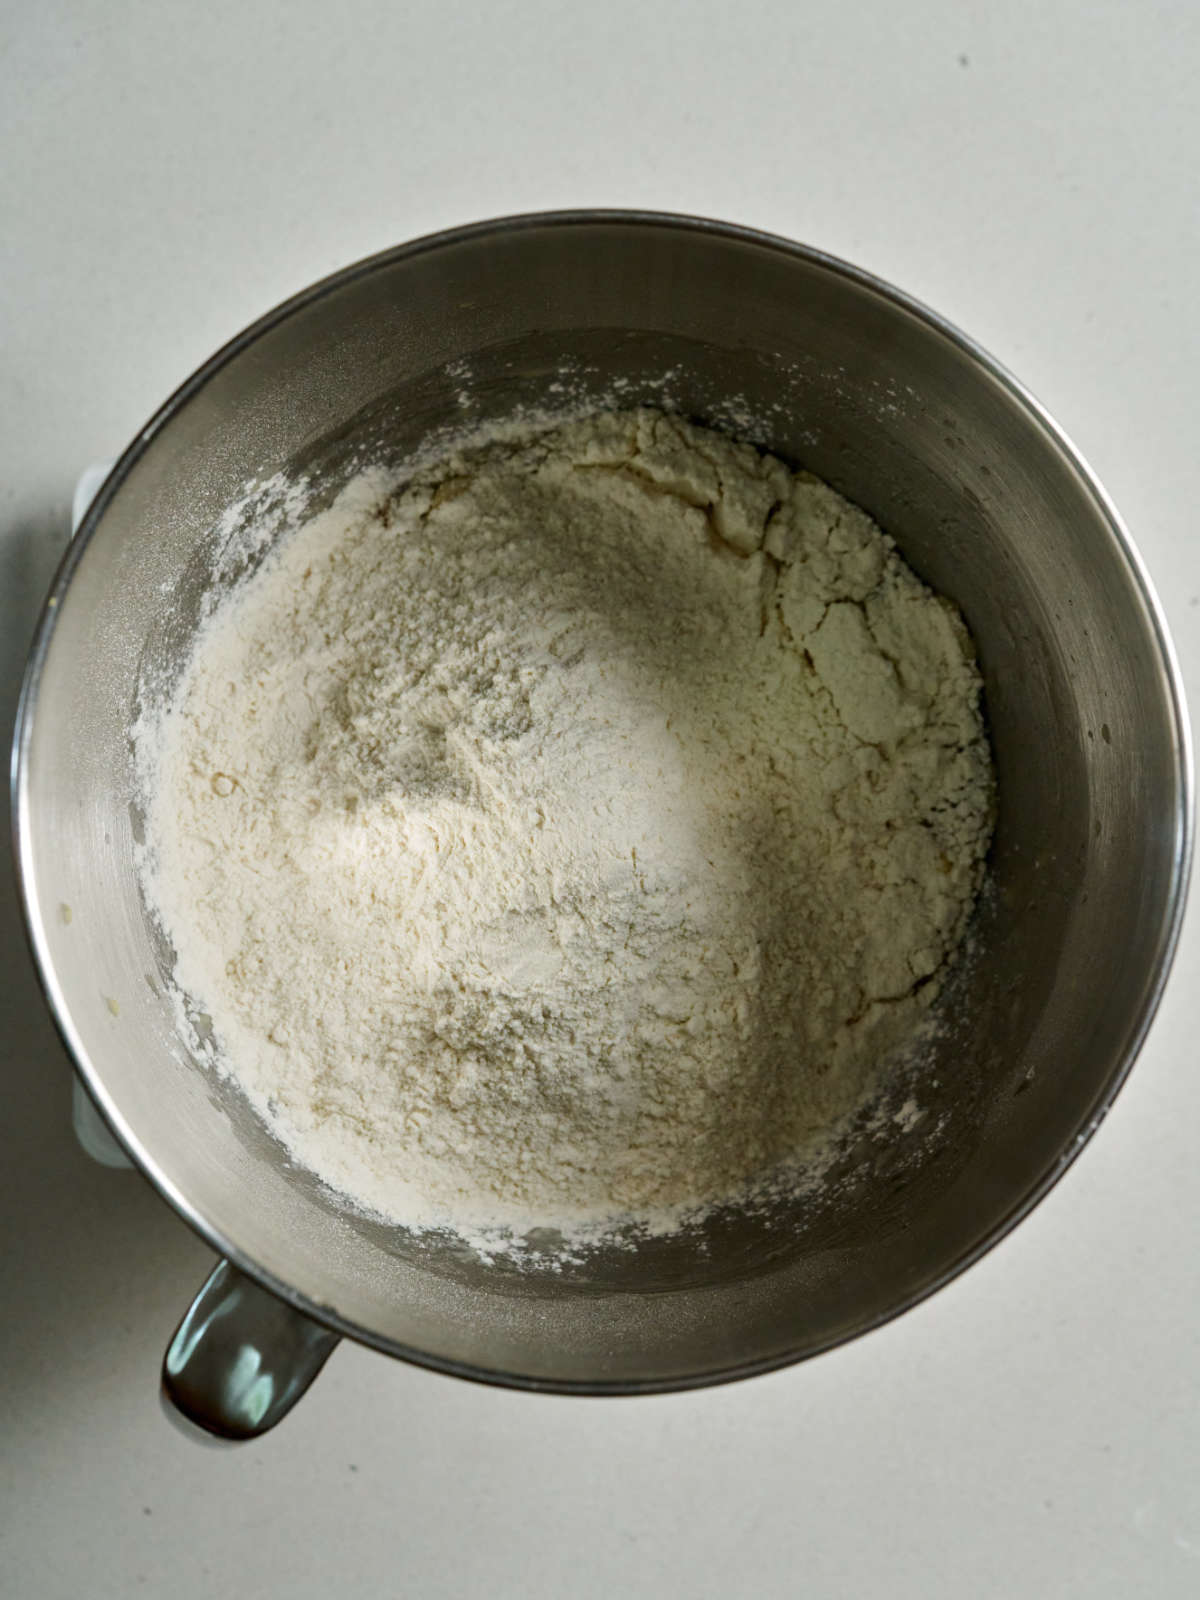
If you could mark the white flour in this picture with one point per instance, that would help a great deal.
(568, 832)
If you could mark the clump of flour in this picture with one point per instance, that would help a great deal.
(568, 832)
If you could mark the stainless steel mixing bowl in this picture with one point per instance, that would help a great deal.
(990, 503)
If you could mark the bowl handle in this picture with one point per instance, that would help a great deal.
(241, 1358)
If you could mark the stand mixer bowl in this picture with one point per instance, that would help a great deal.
(830, 369)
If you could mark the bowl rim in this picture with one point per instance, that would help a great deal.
(1158, 969)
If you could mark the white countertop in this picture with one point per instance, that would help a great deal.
(170, 172)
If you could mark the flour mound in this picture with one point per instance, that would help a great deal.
(570, 830)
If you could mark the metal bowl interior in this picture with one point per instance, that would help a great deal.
(989, 503)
